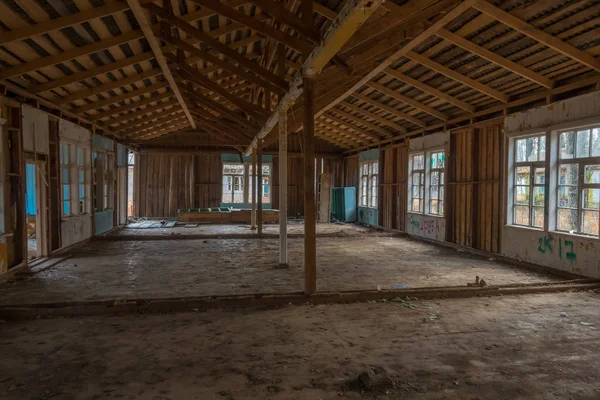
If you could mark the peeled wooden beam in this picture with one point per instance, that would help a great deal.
(347, 22)
(144, 23)
(310, 214)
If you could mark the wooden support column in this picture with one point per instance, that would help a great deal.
(310, 242)
(253, 178)
(259, 191)
(283, 168)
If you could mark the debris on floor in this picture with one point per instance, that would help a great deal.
(563, 314)
(478, 283)
(431, 318)
(371, 379)
(587, 323)
(400, 286)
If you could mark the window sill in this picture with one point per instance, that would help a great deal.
(529, 228)
(425, 214)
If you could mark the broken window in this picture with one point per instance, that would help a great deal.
(427, 177)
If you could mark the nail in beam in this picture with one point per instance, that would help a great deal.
(259, 188)
(283, 167)
(253, 186)
(310, 245)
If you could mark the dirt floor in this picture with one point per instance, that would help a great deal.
(102, 270)
(517, 348)
(294, 228)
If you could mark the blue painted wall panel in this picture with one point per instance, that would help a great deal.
(368, 216)
(103, 221)
(30, 200)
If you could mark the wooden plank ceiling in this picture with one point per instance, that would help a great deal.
(209, 72)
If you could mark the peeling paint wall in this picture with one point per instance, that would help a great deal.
(75, 229)
(36, 134)
(565, 252)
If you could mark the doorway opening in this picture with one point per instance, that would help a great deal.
(130, 183)
(35, 203)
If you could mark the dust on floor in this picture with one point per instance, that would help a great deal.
(514, 348)
(294, 228)
(151, 269)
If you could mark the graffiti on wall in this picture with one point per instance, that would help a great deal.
(565, 249)
(425, 227)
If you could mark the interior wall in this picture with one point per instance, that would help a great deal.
(168, 183)
(568, 252)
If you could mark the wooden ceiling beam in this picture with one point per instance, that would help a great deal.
(285, 16)
(452, 74)
(110, 7)
(144, 23)
(90, 73)
(191, 74)
(87, 93)
(450, 15)
(428, 89)
(351, 126)
(220, 109)
(388, 109)
(214, 43)
(131, 106)
(142, 112)
(338, 131)
(279, 87)
(373, 116)
(349, 19)
(43, 62)
(156, 125)
(366, 124)
(538, 35)
(116, 99)
(161, 132)
(163, 116)
(257, 25)
(408, 100)
(496, 59)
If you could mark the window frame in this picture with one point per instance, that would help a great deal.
(440, 185)
(369, 184)
(82, 168)
(246, 178)
(425, 184)
(533, 166)
(582, 163)
(65, 165)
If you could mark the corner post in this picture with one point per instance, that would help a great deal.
(253, 180)
(283, 168)
(310, 245)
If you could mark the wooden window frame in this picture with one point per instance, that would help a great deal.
(366, 172)
(581, 186)
(533, 165)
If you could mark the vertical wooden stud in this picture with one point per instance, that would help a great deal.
(310, 245)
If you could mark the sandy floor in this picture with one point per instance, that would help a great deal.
(294, 228)
(517, 348)
(150, 269)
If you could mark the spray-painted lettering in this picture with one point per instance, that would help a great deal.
(566, 248)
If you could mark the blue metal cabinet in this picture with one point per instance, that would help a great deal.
(343, 204)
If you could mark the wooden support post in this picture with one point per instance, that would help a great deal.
(259, 191)
(253, 177)
(310, 243)
(283, 167)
